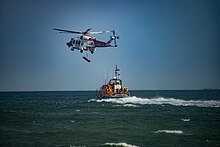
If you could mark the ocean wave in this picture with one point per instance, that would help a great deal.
(127, 105)
(170, 131)
(75, 146)
(161, 101)
(185, 119)
(123, 144)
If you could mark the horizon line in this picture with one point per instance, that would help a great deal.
(96, 90)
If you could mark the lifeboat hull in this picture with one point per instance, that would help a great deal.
(115, 96)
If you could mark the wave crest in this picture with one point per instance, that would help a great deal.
(161, 101)
(170, 131)
(120, 144)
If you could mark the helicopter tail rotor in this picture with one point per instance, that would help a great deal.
(114, 37)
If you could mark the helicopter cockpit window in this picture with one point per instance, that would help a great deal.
(73, 41)
(77, 42)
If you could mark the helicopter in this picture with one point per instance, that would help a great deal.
(86, 42)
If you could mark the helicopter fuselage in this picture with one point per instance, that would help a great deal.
(86, 43)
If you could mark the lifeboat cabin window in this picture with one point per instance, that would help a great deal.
(112, 81)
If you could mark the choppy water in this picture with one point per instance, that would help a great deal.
(148, 118)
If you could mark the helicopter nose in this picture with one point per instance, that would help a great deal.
(68, 44)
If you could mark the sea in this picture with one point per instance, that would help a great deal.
(79, 119)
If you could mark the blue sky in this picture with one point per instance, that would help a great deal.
(164, 44)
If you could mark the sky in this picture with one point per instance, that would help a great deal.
(163, 45)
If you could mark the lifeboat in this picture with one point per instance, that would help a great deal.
(114, 88)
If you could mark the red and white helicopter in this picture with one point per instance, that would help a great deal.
(86, 42)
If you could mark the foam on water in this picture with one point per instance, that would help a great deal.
(170, 131)
(161, 101)
(123, 144)
(127, 105)
(186, 120)
(75, 146)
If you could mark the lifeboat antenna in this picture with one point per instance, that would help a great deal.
(105, 75)
(116, 72)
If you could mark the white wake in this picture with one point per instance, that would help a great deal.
(135, 101)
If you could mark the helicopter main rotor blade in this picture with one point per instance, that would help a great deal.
(84, 33)
(101, 32)
(67, 31)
